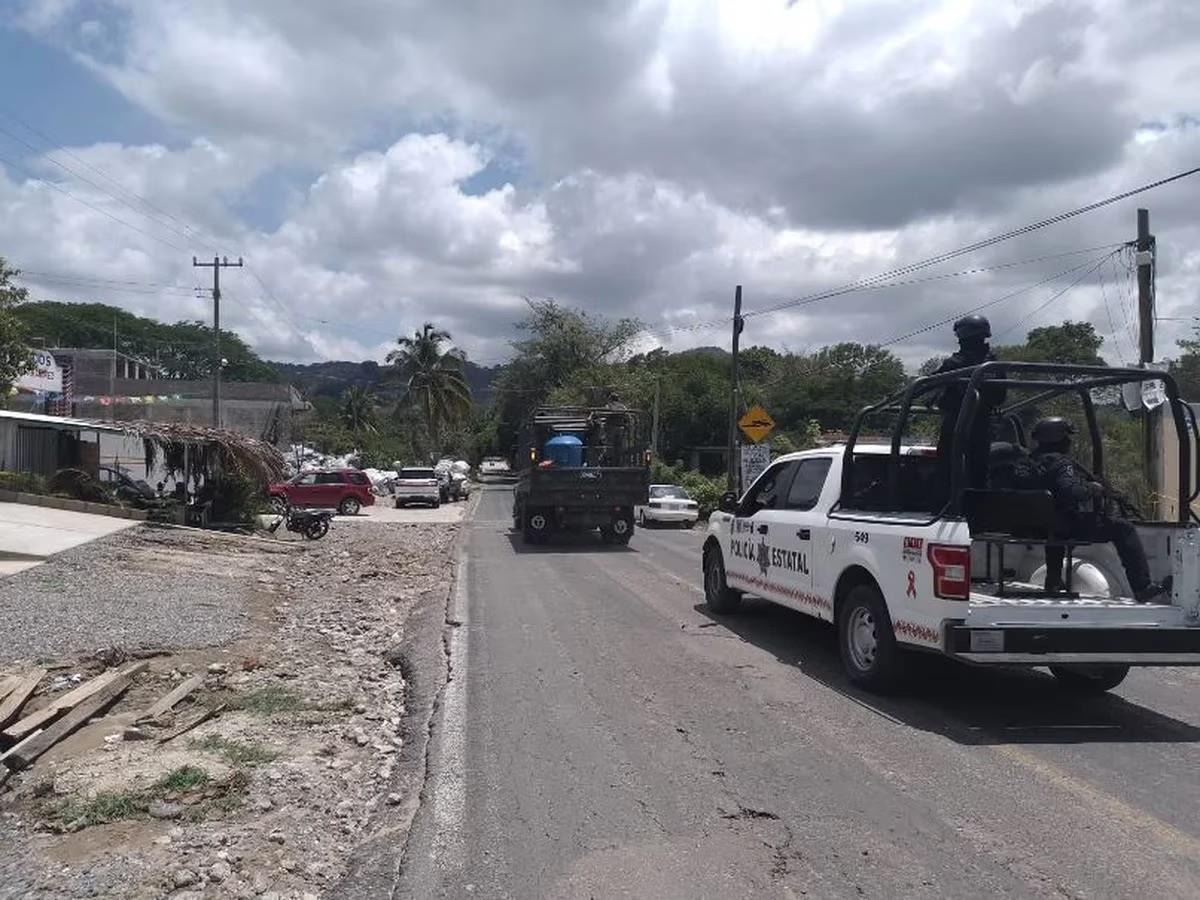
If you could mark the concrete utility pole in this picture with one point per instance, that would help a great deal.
(112, 377)
(217, 265)
(1151, 449)
(731, 480)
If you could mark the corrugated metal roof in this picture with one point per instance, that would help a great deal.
(58, 421)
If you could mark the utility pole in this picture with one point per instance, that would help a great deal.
(731, 481)
(217, 265)
(1151, 450)
(654, 419)
(112, 377)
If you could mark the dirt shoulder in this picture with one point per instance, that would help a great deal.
(308, 654)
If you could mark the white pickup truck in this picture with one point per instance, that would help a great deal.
(894, 582)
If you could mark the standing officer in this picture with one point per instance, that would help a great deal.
(1074, 499)
(972, 333)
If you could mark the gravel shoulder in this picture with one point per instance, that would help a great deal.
(306, 650)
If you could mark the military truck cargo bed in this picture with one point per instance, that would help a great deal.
(585, 487)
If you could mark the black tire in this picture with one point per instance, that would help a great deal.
(643, 522)
(619, 532)
(719, 596)
(537, 526)
(317, 529)
(867, 643)
(350, 506)
(1089, 679)
(435, 504)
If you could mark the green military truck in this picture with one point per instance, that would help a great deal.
(581, 468)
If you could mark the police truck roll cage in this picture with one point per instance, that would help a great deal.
(1080, 380)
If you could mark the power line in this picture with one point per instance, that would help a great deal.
(1094, 267)
(190, 231)
(102, 211)
(977, 245)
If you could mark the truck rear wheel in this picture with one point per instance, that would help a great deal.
(537, 526)
(719, 596)
(870, 655)
(1089, 679)
(618, 532)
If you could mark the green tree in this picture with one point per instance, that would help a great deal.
(14, 352)
(183, 350)
(356, 411)
(1071, 342)
(1186, 368)
(432, 379)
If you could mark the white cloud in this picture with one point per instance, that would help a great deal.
(669, 151)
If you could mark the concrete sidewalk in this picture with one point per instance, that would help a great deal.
(29, 534)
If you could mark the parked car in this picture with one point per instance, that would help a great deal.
(669, 503)
(493, 467)
(124, 485)
(346, 490)
(418, 485)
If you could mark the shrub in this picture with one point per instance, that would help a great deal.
(26, 482)
(79, 485)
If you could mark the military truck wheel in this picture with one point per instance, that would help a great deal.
(537, 526)
(620, 531)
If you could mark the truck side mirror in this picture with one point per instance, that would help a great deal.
(729, 502)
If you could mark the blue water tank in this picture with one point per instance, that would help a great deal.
(565, 450)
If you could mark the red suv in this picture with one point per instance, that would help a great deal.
(346, 490)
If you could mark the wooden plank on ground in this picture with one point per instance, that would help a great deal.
(31, 748)
(7, 683)
(39, 719)
(167, 702)
(194, 723)
(17, 749)
(18, 695)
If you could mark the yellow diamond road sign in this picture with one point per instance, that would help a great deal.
(756, 424)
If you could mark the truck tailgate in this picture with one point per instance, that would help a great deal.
(588, 486)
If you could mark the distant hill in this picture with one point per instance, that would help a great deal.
(330, 379)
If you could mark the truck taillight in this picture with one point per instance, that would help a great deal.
(951, 571)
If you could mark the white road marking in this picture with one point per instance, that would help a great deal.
(447, 788)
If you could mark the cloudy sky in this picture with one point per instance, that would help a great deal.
(380, 163)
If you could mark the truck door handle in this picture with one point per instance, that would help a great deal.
(762, 529)
(803, 534)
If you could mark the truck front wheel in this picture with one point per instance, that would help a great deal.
(868, 646)
(721, 598)
(1089, 679)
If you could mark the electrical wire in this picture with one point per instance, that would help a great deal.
(1094, 267)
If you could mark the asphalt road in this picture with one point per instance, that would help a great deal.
(603, 736)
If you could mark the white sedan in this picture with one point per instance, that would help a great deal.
(669, 503)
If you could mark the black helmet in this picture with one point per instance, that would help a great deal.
(1052, 430)
(969, 327)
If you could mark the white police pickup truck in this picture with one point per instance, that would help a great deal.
(874, 540)
(896, 582)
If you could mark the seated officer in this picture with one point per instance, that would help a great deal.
(1074, 500)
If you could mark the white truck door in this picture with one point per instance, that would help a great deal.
(747, 558)
(793, 532)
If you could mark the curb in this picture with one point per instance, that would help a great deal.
(83, 506)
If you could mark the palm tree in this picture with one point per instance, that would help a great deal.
(357, 410)
(433, 379)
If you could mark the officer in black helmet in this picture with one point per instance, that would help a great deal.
(972, 333)
(1075, 496)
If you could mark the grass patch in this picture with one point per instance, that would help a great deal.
(106, 806)
(268, 701)
(217, 797)
(239, 753)
(185, 778)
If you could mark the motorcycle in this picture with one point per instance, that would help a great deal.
(312, 523)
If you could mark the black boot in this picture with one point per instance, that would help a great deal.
(1154, 589)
